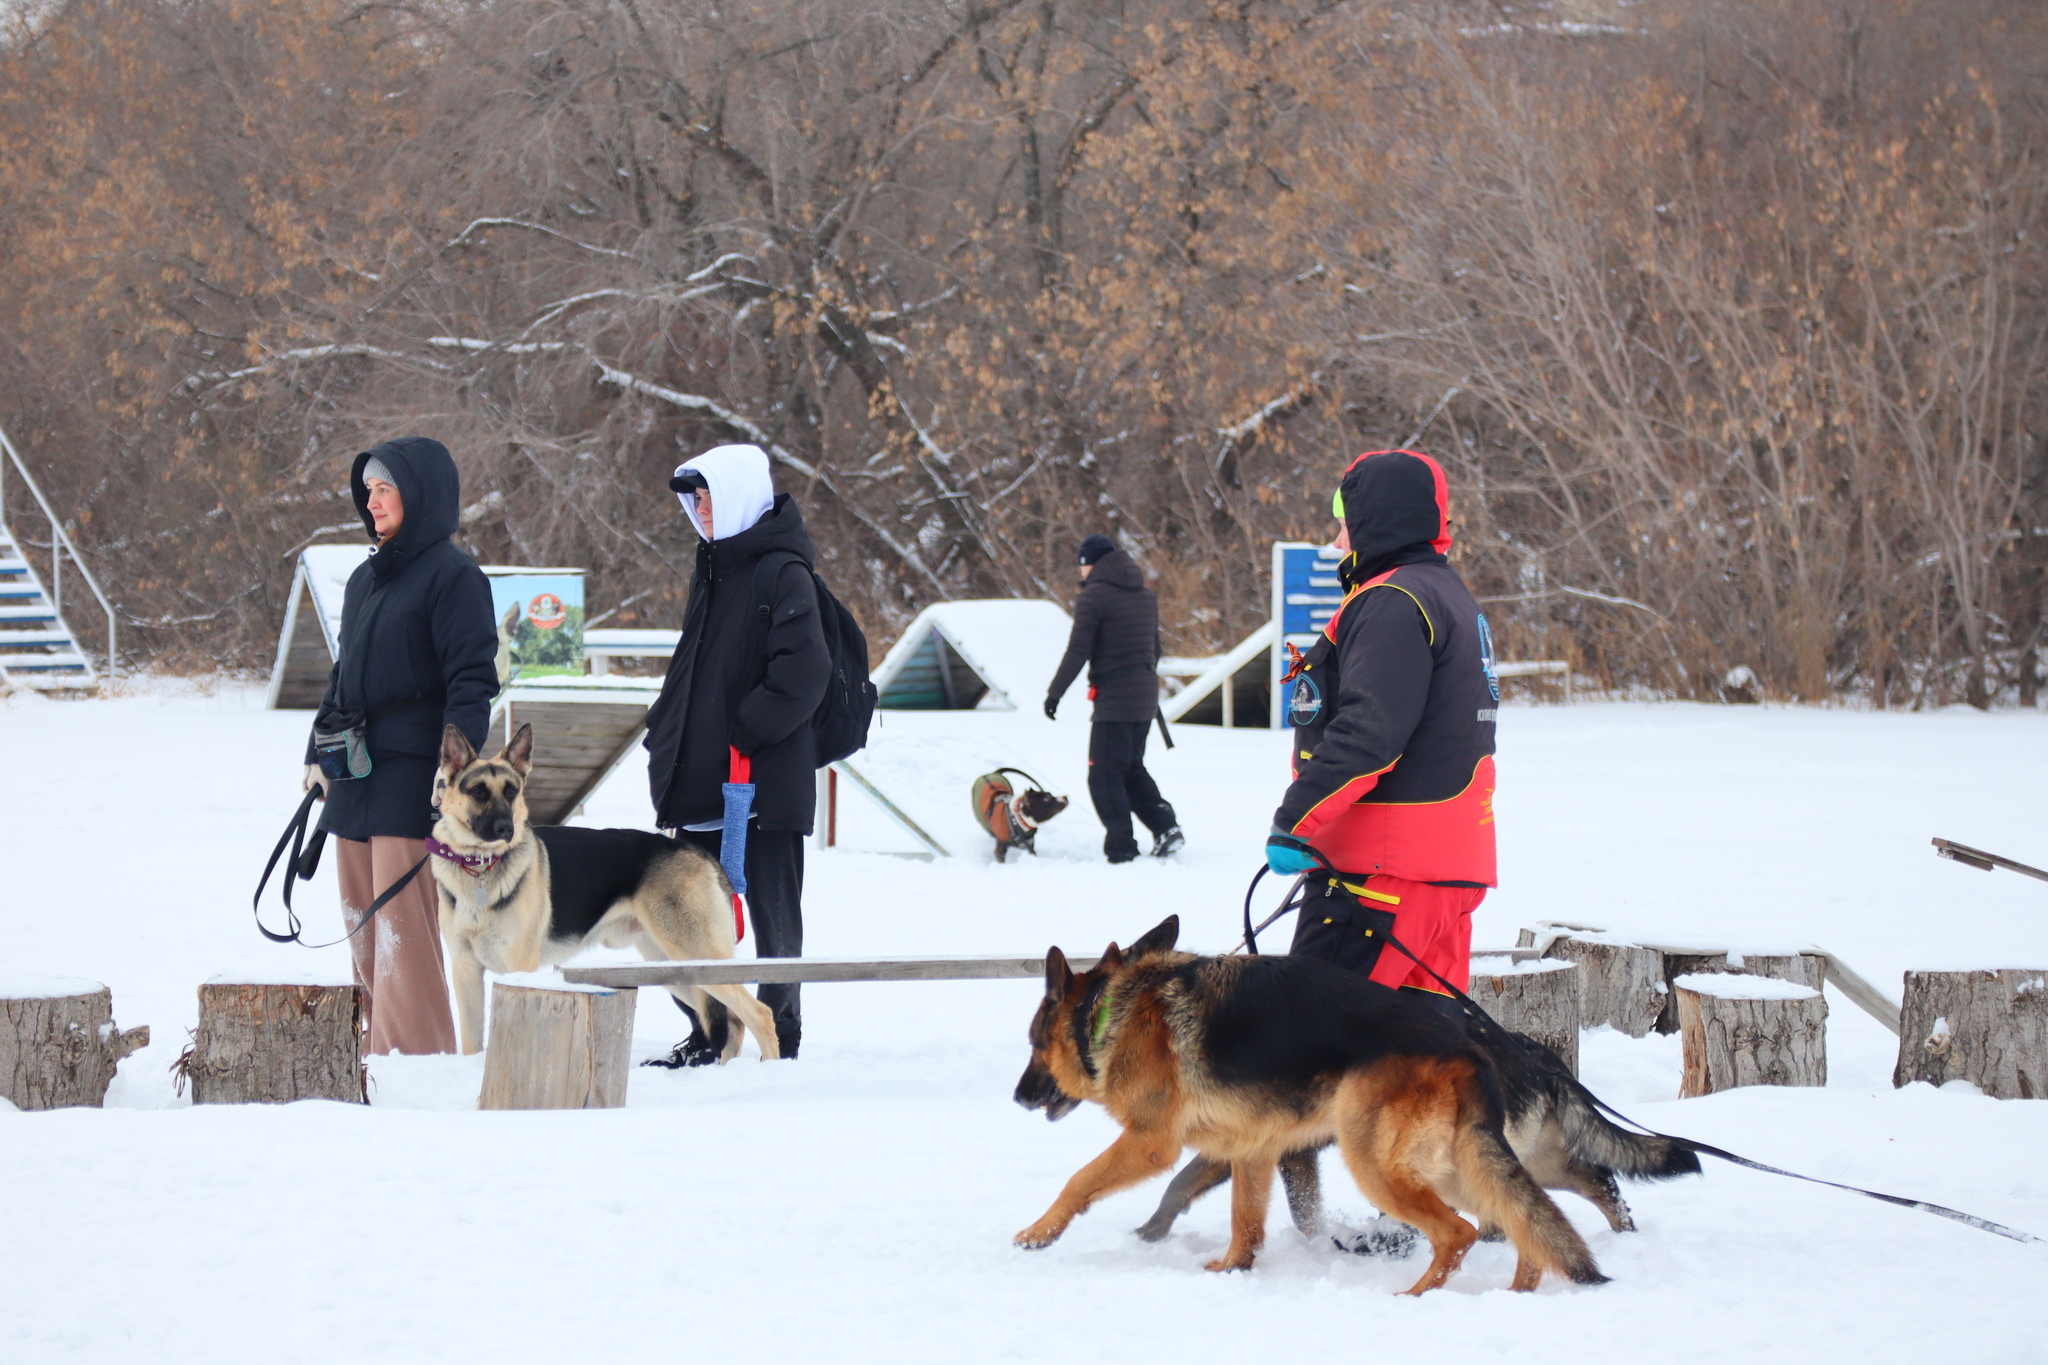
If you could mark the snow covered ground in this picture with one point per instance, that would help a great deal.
(857, 1204)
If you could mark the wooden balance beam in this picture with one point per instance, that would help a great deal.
(739, 971)
(729, 971)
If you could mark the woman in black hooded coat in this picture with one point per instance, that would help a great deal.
(418, 651)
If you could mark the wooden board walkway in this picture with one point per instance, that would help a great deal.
(729, 971)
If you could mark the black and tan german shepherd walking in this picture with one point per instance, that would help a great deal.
(1249, 1059)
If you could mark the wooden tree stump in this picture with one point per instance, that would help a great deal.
(1539, 998)
(1988, 1027)
(1738, 1029)
(1805, 969)
(560, 1047)
(1620, 984)
(264, 1043)
(1682, 962)
(58, 1042)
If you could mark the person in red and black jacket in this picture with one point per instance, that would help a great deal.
(1393, 713)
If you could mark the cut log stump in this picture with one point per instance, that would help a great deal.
(264, 1043)
(1620, 984)
(1805, 969)
(1987, 1027)
(1677, 963)
(1737, 1029)
(1539, 998)
(561, 1048)
(58, 1042)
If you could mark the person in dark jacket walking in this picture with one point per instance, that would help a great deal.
(1116, 634)
(1393, 710)
(741, 685)
(419, 646)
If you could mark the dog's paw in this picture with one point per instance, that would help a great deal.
(1228, 1262)
(1038, 1236)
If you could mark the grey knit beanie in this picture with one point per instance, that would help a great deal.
(374, 468)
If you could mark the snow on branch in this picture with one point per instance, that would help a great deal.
(462, 238)
(339, 351)
(1232, 438)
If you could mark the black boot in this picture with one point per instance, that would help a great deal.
(695, 1050)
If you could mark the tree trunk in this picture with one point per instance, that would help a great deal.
(272, 1044)
(1805, 969)
(1538, 998)
(1677, 964)
(1735, 1039)
(558, 1049)
(1987, 1027)
(1619, 983)
(59, 1045)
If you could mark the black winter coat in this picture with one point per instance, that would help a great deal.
(1116, 633)
(1394, 707)
(419, 647)
(733, 684)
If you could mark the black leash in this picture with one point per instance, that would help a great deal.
(303, 866)
(1477, 1014)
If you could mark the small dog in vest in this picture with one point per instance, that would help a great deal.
(1011, 817)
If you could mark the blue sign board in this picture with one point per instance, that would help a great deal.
(1305, 596)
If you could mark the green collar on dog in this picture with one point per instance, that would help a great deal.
(1098, 1026)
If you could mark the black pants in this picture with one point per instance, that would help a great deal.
(775, 896)
(1120, 786)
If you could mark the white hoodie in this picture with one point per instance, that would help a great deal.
(741, 491)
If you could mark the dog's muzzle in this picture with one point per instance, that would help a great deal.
(1037, 1090)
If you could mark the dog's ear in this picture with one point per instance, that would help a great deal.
(519, 753)
(1112, 958)
(1158, 939)
(457, 752)
(511, 618)
(1059, 977)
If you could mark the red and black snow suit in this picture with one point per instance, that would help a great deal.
(1393, 710)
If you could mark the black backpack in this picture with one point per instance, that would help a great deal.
(843, 717)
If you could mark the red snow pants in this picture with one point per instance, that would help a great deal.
(1347, 927)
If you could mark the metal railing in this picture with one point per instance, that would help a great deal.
(60, 545)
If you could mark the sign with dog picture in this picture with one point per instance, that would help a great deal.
(540, 621)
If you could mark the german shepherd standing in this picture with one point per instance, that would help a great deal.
(1249, 1059)
(516, 896)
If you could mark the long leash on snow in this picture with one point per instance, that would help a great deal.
(1547, 1060)
(302, 868)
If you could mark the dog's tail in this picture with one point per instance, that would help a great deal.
(1528, 1069)
(1505, 1195)
(1589, 1136)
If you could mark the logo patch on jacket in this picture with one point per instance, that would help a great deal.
(1486, 659)
(1305, 703)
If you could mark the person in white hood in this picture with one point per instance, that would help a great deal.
(743, 684)
(725, 490)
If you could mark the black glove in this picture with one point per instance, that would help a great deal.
(1052, 708)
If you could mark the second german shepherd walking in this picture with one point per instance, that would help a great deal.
(516, 897)
(1247, 1059)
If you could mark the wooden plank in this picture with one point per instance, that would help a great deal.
(874, 794)
(717, 972)
(1978, 858)
(1861, 993)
